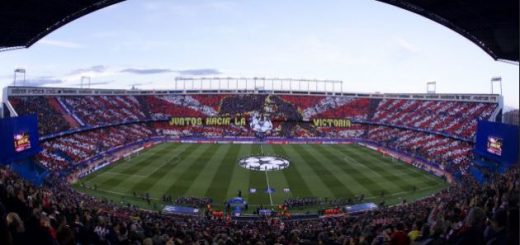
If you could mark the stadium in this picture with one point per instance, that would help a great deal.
(258, 160)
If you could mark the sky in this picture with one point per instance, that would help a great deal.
(369, 45)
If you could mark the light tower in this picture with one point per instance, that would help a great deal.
(494, 80)
(431, 87)
(17, 73)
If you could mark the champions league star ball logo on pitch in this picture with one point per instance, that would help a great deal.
(264, 163)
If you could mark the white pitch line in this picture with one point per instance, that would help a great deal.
(268, 188)
(127, 175)
(267, 178)
(118, 193)
(408, 192)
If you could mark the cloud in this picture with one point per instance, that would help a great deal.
(146, 71)
(40, 81)
(94, 72)
(406, 45)
(90, 70)
(187, 72)
(92, 83)
(199, 72)
(55, 81)
(60, 44)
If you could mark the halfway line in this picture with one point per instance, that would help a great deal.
(268, 188)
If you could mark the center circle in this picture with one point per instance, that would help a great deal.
(264, 163)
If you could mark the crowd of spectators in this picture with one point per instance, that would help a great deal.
(103, 110)
(163, 128)
(447, 151)
(302, 102)
(178, 106)
(321, 202)
(195, 202)
(466, 213)
(301, 202)
(340, 107)
(212, 100)
(50, 119)
(451, 117)
(289, 111)
(239, 104)
(352, 132)
(64, 152)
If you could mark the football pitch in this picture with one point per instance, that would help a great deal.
(213, 170)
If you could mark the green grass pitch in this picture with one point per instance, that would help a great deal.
(212, 170)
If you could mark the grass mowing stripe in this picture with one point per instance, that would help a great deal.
(365, 168)
(121, 163)
(269, 188)
(314, 182)
(136, 167)
(220, 176)
(141, 185)
(183, 183)
(277, 180)
(404, 168)
(327, 177)
(257, 180)
(388, 171)
(165, 182)
(294, 179)
(218, 188)
(354, 173)
(339, 167)
(207, 173)
(139, 163)
(240, 175)
(175, 158)
(368, 171)
(412, 172)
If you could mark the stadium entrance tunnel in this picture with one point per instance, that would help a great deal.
(264, 163)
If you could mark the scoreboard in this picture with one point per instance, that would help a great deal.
(22, 142)
(18, 138)
(498, 142)
(494, 145)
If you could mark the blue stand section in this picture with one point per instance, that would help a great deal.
(30, 171)
(477, 174)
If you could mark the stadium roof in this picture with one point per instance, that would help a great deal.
(492, 25)
(24, 22)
